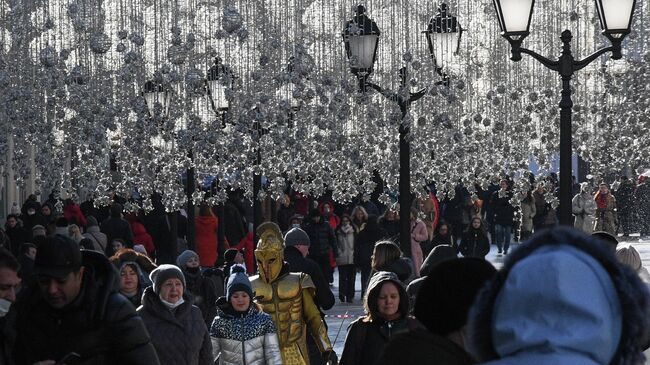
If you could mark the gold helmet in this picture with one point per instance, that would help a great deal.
(270, 251)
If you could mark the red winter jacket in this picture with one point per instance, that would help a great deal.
(333, 219)
(247, 245)
(141, 237)
(73, 211)
(206, 239)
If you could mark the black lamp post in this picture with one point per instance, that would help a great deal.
(220, 81)
(361, 37)
(514, 18)
(157, 96)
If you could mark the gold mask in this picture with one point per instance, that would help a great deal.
(270, 251)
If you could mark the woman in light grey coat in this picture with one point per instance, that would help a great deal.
(241, 332)
(345, 236)
(584, 209)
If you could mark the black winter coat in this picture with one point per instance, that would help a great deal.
(180, 337)
(402, 267)
(17, 236)
(625, 197)
(366, 339)
(159, 227)
(284, 216)
(365, 242)
(204, 294)
(423, 347)
(322, 238)
(324, 297)
(390, 229)
(116, 228)
(234, 226)
(504, 212)
(7, 337)
(100, 324)
(474, 243)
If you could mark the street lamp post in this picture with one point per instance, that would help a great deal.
(220, 81)
(157, 97)
(361, 37)
(514, 18)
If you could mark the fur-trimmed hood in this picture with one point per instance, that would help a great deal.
(561, 298)
(374, 287)
(129, 255)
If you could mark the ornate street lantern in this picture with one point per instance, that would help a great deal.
(220, 80)
(361, 37)
(287, 92)
(514, 17)
(156, 94)
(443, 36)
(615, 17)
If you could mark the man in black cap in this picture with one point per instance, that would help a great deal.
(297, 246)
(76, 308)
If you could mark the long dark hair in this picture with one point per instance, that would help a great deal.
(344, 216)
(470, 226)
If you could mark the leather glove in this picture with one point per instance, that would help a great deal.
(330, 358)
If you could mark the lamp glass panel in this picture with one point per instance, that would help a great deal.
(362, 48)
(617, 14)
(153, 98)
(445, 46)
(218, 94)
(516, 15)
(497, 8)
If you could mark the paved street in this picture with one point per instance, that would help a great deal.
(342, 314)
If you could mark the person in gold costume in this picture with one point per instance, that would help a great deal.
(289, 299)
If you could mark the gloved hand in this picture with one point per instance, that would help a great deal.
(330, 358)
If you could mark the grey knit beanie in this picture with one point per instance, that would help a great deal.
(238, 281)
(164, 272)
(184, 257)
(295, 237)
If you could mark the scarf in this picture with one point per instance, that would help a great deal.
(601, 200)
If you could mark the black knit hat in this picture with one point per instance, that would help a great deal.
(238, 281)
(447, 294)
(230, 254)
(164, 272)
(295, 237)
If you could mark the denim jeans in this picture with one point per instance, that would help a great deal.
(503, 234)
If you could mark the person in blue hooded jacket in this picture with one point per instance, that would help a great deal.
(561, 299)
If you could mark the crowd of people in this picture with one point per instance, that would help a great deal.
(88, 285)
